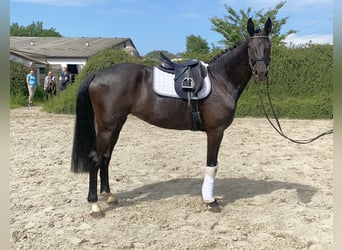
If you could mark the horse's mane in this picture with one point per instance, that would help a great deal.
(228, 50)
(225, 52)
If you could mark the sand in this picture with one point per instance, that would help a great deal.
(274, 194)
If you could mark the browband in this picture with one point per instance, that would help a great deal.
(257, 36)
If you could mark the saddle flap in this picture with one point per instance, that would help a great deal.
(190, 80)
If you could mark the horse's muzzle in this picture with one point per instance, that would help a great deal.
(260, 69)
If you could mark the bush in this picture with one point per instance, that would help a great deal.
(301, 84)
(18, 89)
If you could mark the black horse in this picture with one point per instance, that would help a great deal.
(106, 97)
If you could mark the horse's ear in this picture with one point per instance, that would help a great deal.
(268, 26)
(250, 27)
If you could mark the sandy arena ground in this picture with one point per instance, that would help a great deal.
(274, 194)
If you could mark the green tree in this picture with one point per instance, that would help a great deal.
(35, 29)
(196, 45)
(233, 25)
(197, 48)
(155, 54)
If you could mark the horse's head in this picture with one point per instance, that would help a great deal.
(259, 50)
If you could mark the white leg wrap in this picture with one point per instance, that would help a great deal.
(208, 184)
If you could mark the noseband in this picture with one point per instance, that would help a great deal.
(258, 59)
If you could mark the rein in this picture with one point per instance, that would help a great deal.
(278, 127)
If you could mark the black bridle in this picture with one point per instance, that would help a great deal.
(258, 59)
(263, 59)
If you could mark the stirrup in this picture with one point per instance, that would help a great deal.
(188, 84)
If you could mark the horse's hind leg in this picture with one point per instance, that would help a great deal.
(106, 138)
(92, 194)
(105, 188)
(104, 177)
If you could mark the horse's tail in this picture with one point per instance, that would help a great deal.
(84, 134)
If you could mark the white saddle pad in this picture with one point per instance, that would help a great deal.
(163, 84)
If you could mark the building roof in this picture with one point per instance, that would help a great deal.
(27, 57)
(65, 46)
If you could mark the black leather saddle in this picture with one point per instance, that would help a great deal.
(189, 76)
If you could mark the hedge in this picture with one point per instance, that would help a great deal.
(300, 84)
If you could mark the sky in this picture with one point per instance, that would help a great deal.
(164, 25)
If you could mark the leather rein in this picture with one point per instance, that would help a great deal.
(278, 128)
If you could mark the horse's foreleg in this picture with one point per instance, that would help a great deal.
(214, 139)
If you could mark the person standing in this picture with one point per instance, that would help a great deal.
(31, 82)
(64, 78)
(49, 82)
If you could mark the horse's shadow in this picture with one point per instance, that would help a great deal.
(230, 189)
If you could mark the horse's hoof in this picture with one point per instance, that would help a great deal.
(213, 207)
(98, 214)
(111, 199)
(96, 211)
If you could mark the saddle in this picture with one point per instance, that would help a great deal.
(188, 81)
(189, 76)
